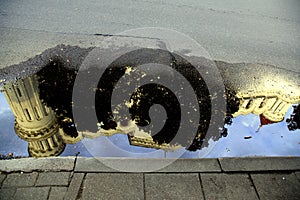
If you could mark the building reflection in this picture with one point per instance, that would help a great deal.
(38, 124)
(34, 122)
(273, 105)
(47, 133)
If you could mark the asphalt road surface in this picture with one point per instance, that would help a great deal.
(256, 31)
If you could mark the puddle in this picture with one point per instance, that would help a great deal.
(37, 117)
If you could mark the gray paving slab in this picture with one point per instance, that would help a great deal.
(173, 186)
(57, 193)
(259, 163)
(2, 177)
(193, 165)
(227, 186)
(74, 186)
(7, 193)
(277, 186)
(91, 165)
(53, 179)
(146, 165)
(38, 164)
(20, 180)
(113, 186)
(30, 193)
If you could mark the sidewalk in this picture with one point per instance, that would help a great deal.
(87, 178)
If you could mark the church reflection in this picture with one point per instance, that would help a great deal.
(42, 105)
(46, 133)
(35, 122)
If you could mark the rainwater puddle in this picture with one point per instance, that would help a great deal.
(41, 116)
(248, 135)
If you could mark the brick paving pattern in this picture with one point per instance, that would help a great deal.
(101, 183)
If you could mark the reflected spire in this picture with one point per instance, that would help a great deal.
(34, 122)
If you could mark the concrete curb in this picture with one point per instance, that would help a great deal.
(81, 164)
(180, 165)
(260, 164)
(38, 164)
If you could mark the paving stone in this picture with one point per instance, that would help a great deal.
(227, 186)
(20, 179)
(193, 165)
(53, 179)
(91, 165)
(173, 186)
(57, 193)
(113, 186)
(148, 165)
(7, 193)
(31, 193)
(277, 186)
(38, 164)
(2, 177)
(260, 163)
(74, 187)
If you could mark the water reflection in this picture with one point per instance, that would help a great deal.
(47, 131)
(38, 125)
(272, 139)
(34, 122)
(42, 106)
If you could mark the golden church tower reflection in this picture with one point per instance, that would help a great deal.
(35, 122)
